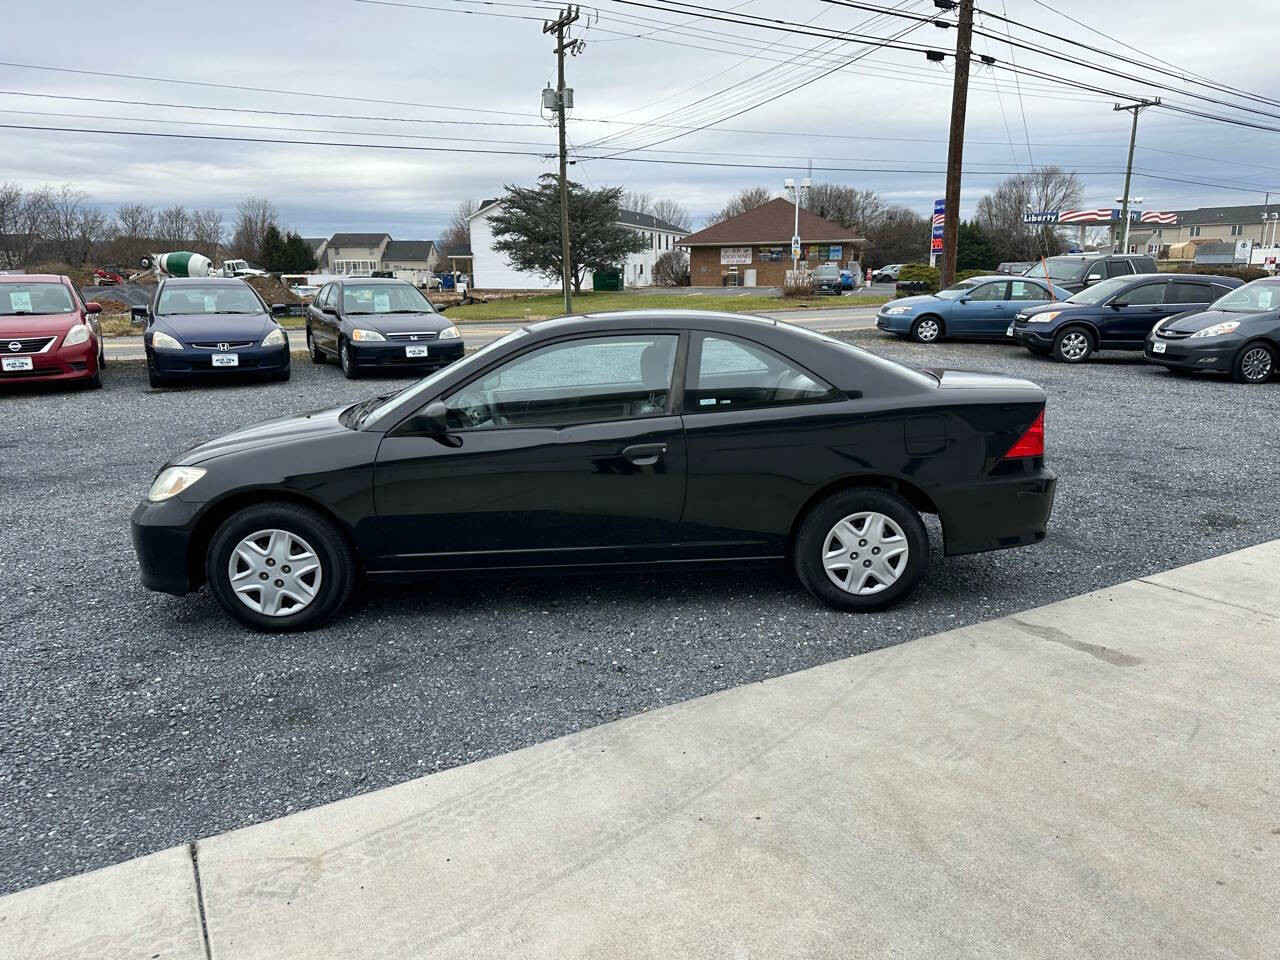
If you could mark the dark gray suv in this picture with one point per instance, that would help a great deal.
(1073, 272)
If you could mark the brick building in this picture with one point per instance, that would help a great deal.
(753, 249)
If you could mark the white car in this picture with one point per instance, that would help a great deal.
(887, 274)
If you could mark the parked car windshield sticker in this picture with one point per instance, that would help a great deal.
(19, 302)
(1264, 299)
(209, 304)
(381, 303)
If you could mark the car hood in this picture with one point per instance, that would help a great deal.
(399, 322)
(1191, 322)
(34, 324)
(917, 301)
(1058, 305)
(192, 327)
(281, 430)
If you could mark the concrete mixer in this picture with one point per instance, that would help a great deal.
(180, 263)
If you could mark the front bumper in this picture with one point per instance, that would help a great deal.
(998, 513)
(1034, 336)
(161, 535)
(58, 363)
(1207, 353)
(894, 323)
(393, 353)
(195, 362)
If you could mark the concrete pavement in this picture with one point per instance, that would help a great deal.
(1095, 778)
(826, 319)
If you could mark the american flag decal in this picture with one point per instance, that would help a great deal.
(1085, 216)
(1152, 216)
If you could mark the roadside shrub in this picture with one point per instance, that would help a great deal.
(671, 269)
(798, 283)
(1244, 273)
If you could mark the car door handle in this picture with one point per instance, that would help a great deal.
(645, 454)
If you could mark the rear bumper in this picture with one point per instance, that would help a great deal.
(161, 535)
(79, 362)
(392, 353)
(999, 513)
(1208, 353)
(199, 363)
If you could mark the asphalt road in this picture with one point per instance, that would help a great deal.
(133, 721)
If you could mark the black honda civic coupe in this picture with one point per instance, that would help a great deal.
(611, 440)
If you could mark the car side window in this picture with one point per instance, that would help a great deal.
(1184, 292)
(1119, 268)
(1026, 290)
(989, 292)
(1145, 294)
(1097, 271)
(732, 374)
(563, 384)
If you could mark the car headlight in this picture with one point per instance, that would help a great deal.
(896, 310)
(172, 481)
(162, 341)
(77, 334)
(1043, 317)
(275, 338)
(1217, 330)
(361, 334)
(449, 333)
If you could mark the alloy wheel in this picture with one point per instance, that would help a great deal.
(865, 553)
(275, 573)
(1074, 345)
(1256, 364)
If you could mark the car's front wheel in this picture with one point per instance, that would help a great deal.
(926, 330)
(1073, 345)
(1255, 363)
(280, 567)
(345, 360)
(861, 549)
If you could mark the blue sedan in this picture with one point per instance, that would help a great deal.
(211, 327)
(979, 307)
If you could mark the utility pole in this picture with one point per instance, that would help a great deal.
(799, 194)
(1137, 108)
(955, 144)
(563, 101)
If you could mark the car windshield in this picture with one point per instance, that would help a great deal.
(26, 298)
(384, 298)
(1251, 298)
(1058, 269)
(411, 397)
(957, 290)
(1101, 291)
(827, 270)
(214, 298)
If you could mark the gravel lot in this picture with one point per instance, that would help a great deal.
(132, 721)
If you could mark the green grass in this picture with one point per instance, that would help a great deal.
(552, 305)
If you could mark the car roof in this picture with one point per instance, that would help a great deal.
(681, 319)
(371, 280)
(31, 278)
(203, 281)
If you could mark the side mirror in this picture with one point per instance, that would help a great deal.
(433, 420)
(277, 309)
(1117, 304)
(93, 307)
(138, 316)
(963, 300)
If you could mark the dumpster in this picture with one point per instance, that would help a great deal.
(606, 280)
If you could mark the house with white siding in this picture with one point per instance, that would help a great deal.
(490, 270)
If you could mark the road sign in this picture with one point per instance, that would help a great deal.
(795, 246)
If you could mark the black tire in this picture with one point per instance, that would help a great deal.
(1255, 362)
(349, 368)
(337, 564)
(1074, 344)
(317, 355)
(815, 535)
(154, 378)
(94, 382)
(928, 329)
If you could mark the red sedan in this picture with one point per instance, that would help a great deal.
(47, 332)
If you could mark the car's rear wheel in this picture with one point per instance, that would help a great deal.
(317, 355)
(280, 567)
(1255, 363)
(926, 329)
(861, 549)
(1073, 345)
(349, 369)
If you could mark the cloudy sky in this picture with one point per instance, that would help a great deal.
(466, 76)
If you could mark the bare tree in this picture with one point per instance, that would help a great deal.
(253, 216)
(899, 235)
(847, 206)
(1001, 212)
(173, 228)
(207, 231)
(637, 202)
(135, 230)
(73, 227)
(456, 238)
(671, 269)
(672, 212)
(12, 201)
(743, 200)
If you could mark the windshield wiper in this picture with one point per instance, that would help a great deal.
(366, 407)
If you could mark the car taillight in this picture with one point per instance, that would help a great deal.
(1031, 443)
